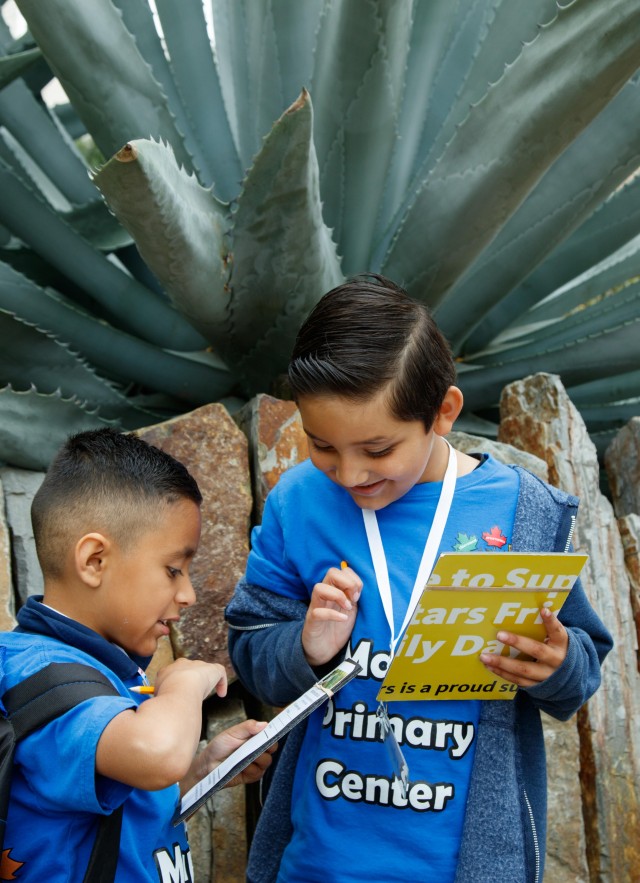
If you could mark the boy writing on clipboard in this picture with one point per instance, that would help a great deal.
(116, 524)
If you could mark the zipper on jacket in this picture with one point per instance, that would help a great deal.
(534, 834)
(252, 628)
(571, 530)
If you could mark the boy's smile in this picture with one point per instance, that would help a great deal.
(364, 448)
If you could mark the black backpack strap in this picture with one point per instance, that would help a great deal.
(52, 691)
(39, 699)
(103, 861)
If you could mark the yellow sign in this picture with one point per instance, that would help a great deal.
(469, 599)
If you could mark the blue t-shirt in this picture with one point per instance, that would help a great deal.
(346, 806)
(55, 792)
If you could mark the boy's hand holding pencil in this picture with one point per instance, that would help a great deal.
(208, 676)
(216, 676)
(331, 614)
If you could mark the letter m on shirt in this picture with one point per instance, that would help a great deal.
(174, 869)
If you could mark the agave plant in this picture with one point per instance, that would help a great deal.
(481, 152)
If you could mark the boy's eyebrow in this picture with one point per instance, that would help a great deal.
(379, 439)
(186, 552)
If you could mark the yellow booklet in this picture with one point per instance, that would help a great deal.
(469, 598)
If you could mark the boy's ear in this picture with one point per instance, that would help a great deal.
(90, 558)
(449, 411)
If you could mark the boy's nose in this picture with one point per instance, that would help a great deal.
(186, 594)
(351, 473)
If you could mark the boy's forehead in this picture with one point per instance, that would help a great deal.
(365, 421)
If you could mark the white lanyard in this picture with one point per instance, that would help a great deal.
(428, 556)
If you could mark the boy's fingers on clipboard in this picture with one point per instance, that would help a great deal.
(552, 650)
(256, 769)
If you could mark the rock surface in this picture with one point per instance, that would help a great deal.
(622, 462)
(276, 442)
(500, 451)
(20, 487)
(214, 450)
(7, 606)
(228, 808)
(538, 416)
(629, 527)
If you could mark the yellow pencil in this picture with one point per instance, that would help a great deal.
(343, 565)
(145, 689)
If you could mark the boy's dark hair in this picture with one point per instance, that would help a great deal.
(368, 334)
(106, 481)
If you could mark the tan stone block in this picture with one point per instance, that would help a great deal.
(276, 442)
(501, 451)
(214, 450)
(228, 806)
(566, 860)
(622, 462)
(7, 606)
(537, 415)
(629, 527)
(199, 834)
(20, 487)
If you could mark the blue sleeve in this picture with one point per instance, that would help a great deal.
(59, 760)
(579, 676)
(268, 564)
(265, 643)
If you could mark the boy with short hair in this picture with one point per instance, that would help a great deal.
(116, 524)
(384, 491)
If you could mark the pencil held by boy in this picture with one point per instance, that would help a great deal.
(116, 524)
(383, 490)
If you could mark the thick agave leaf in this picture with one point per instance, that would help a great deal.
(118, 355)
(264, 54)
(616, 221)
(41, 153)
(486, 37)
(589, 318)
(598, 417)
(606, 390)
(618, 272)
(179, 228)
(598, 161)
(284, 258)
(92, 221)
(108, 82)
(34, 425)
(13, 66)
(196, 79)
(608, 353)
(54, 155)
(357, 86)
(34, 359)
(31, 357)
(95, 223)
(537, 109)
(438, 57)
(127, 303)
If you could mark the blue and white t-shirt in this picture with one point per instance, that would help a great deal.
(56, 796)
(351, 821)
